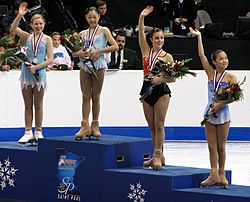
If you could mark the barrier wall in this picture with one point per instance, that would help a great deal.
(120, 104)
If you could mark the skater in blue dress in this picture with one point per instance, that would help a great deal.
(217, 126)
(39, 51)
(95, 48)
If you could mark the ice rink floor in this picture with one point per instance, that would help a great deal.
(195, 154)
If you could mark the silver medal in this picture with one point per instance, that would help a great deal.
(35, 60)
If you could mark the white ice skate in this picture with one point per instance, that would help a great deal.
(38, 135)
(28, 137)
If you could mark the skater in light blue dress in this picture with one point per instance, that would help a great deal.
(217, 126)
(39, 51)
(95, 49)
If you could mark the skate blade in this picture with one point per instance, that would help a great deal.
(157, 168)
(78, 138)
(29, 143)
(92, 137)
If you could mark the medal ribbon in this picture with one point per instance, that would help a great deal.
(35, 44)
(90, 39)
(217, 84)
(153, 60)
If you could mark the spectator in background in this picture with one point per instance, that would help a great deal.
(124, 58)
(61, 58)
(10, 16)
(102, 9)
(182, 14)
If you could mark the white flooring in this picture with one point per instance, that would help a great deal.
(195, 154)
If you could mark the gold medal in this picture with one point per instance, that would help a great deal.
(35, 60)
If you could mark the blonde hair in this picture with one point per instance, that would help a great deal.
(37, 16)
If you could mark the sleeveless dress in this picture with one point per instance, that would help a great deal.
(158, 90)
(223, 115)
(26, 77)
(100, 41)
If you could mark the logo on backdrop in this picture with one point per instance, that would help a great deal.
(67, 165)
(137, 193)
(7, 172)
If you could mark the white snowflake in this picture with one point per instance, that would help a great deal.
(137, 193)
(6, 174)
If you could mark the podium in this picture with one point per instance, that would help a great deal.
(105, 170)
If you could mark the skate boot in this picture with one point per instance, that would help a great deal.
(84, 131)
(224, 182)
(27, 138)
(38, 135)
(157, 160)
(149, 162)
(95, 129)
(212, 179)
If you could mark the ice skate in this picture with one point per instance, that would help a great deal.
(212, 179)
(95, 132)
(38, 135)
(26, 138)
(84, 131)
(157, 165)
(149, 163)
(224, 182)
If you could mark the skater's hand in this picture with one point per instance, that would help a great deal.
(157, 80)
(94, 55)
(195, 32)
(147, 11)
(23, 8)
(217, 106)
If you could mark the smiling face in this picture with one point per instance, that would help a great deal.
(92, 18)
(157, 39)
(37, 23)
(220, 60)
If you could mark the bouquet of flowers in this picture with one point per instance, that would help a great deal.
(174, 71)
(232, 91)
(75, 43)
(71, 42)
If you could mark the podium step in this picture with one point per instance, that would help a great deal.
(155, 185)
(19, 171)
(234, 193)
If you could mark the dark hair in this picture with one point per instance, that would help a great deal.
(100, 3)
(215, 54)
(92, 8)
(151, 34)
(120, 33)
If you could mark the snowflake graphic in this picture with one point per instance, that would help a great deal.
(136, 194)
(6, 174)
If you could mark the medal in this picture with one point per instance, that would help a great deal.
(35, 46)
(90, 38)
(35, 60)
